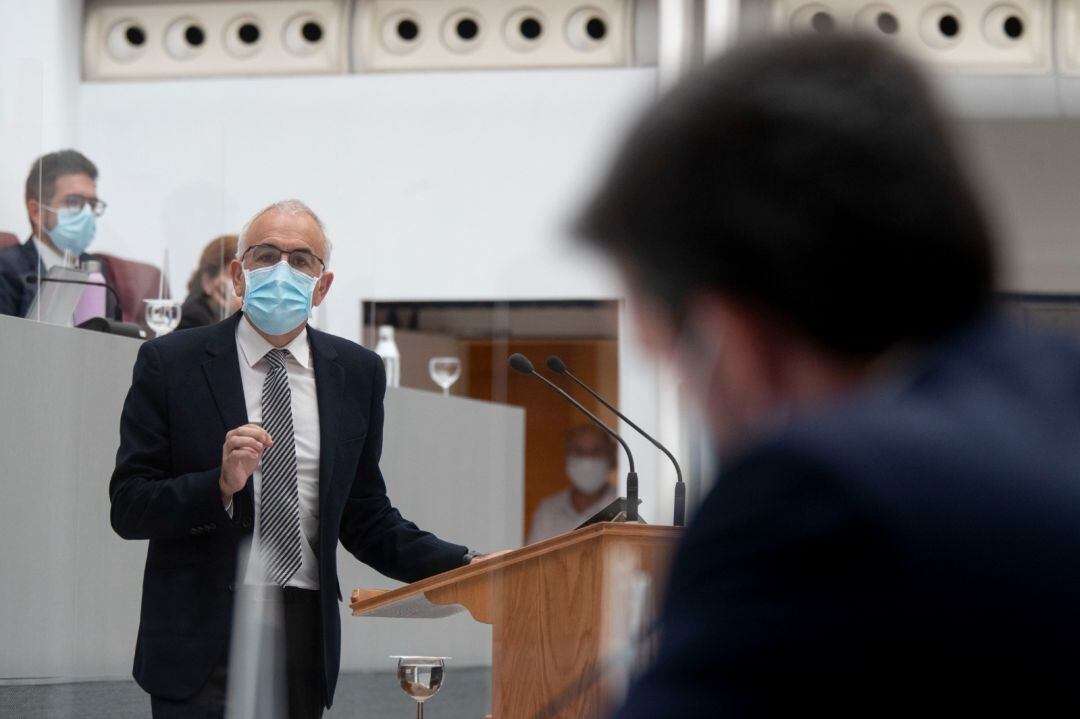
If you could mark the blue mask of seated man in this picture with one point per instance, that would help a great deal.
(74, 230)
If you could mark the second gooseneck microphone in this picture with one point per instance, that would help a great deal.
(557, 366)
(520, 363)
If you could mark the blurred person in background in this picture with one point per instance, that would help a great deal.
(590, 460)
(210, 295)
(896, 523)
(62, 206)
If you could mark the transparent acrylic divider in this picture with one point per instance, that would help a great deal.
(71, 588)
(256, 677)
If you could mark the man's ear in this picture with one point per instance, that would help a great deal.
(321, 288)
(754, 350)
(33, 208)
(237, 271)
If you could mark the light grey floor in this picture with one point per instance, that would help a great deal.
(466, 694)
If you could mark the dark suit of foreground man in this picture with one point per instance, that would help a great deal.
(183, 478)
(896, 526)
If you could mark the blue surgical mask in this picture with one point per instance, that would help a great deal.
(74, 230)
(277, 299)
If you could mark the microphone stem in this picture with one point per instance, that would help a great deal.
(624, 418)
(680, 487)
(594, 418)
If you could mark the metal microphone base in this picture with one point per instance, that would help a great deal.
(615, 511)
(621, 517)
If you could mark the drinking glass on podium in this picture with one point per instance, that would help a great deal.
(420, 678)
(444, 372)
(163, 315)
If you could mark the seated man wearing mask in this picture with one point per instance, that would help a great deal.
(258, 425)
(590, 458)
(62, 206)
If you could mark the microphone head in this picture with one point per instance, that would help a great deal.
(520, 363)
(556, 365)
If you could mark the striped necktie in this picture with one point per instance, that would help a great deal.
(279, 505)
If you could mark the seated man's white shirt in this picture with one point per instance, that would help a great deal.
(252, 348)
(49, 257)
(556, 514)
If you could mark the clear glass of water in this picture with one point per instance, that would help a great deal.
(444, 372)
(162, 316)
(420, 678)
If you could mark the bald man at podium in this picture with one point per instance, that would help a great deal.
(261, 428)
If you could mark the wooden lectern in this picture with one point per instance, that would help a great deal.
(554, 606)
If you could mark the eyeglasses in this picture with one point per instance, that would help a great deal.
(75, 203)
(267, 255)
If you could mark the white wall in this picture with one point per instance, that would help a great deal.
(1030, 173)
(434, 186)
(39, 90)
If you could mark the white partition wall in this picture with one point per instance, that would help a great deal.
(70, 587)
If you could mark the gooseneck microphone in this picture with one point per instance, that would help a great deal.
(520, 363)
(117, 311)
(557, 366)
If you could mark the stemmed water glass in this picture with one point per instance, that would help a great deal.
(420, 678)
(163, 315)
(444, 372)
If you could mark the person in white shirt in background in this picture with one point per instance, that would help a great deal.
(590, 462)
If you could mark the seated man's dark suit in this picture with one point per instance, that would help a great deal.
(913, 550)
(20, 261)
(186, 394)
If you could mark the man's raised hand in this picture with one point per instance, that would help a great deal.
(240, 455)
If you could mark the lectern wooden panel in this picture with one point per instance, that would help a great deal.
(556, 609)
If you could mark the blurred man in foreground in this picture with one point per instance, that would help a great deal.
(897, 523)
(257, 427)
(590, 459)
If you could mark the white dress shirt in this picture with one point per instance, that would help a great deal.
(49, 256)
(556, 514)
(252, 348)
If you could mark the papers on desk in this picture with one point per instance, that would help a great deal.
(415, 607)
(58, 294)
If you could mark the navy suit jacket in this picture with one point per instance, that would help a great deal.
(186, 393)
(16, 294)
(915, 550)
